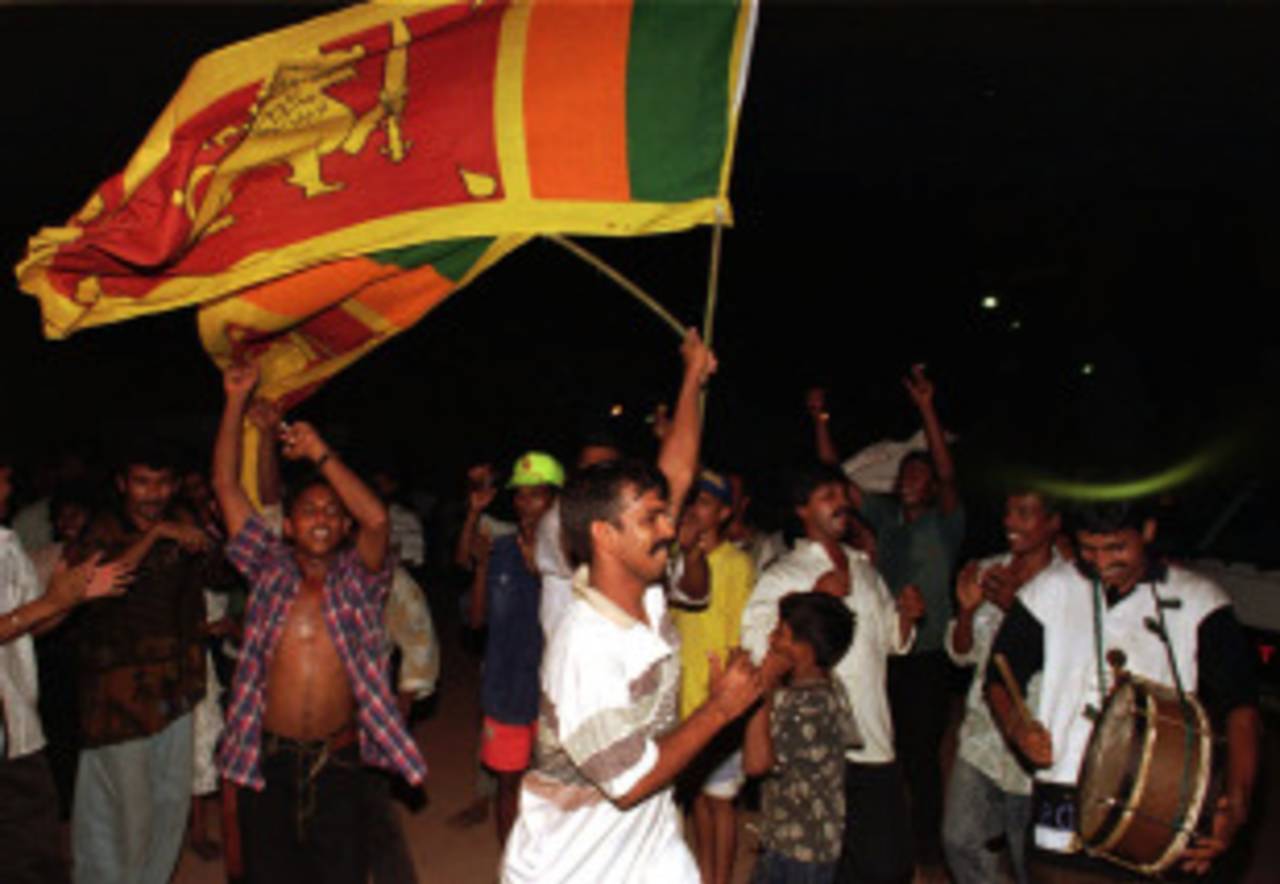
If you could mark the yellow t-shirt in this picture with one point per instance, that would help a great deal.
(715, 627)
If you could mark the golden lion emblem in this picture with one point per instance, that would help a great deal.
(294, 121)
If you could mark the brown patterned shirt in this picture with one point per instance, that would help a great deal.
(142, 661)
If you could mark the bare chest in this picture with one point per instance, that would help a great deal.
(304, 621)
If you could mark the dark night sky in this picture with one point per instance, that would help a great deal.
(1112, 175)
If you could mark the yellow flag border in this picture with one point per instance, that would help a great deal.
(503, 218)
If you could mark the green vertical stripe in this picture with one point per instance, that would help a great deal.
(678, 97)
(452, 258)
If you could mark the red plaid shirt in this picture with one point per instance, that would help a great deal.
(353, 602)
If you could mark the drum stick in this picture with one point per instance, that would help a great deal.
(1011, 685)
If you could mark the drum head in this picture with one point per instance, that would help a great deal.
(1107, 772)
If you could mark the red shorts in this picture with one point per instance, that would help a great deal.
(506, 748)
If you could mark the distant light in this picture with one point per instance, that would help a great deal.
(616, 411)
(990, 302)
(1015, 325)
(1086, 369)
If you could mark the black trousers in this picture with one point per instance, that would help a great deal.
(877, 829)
(920, 703)
(29, 827)
(391, 861)
(310, 823)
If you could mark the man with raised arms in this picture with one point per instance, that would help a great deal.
(311, 698)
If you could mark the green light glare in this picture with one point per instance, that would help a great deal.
(1166, 480)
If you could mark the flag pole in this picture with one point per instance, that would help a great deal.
(630, 287)
(713, 291)
(713, 279)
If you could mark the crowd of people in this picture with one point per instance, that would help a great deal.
(651, 655)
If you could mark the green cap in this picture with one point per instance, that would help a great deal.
(537, 468)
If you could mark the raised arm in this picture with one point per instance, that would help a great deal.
(920, 389)
(815, 402)
(373, 526)
(481, 491)
(678, 457)
(238, 382)
(266, 416)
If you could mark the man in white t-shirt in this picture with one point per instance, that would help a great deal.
(877, 842)
(598, 804)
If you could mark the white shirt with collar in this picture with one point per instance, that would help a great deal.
(1061, 599)
(876, 635)
(18, 681)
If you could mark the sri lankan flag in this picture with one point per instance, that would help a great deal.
(320, 188)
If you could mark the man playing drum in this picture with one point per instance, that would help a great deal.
(1078, 624)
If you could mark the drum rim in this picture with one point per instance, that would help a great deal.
(1121, 815)
(1195, 806)
(1113, 826)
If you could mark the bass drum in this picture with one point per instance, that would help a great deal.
(1145, 776)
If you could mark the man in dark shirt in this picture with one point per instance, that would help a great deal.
(1119, 605)
(142, 670)
(507, 593)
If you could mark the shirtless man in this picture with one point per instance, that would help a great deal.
(311, 699)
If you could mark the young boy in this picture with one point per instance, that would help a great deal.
(797, 739)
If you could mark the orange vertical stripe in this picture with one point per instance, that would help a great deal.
(575, 99)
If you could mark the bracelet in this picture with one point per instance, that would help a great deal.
(323, 459)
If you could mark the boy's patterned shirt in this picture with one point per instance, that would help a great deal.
(802, 798)
(353, 613)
